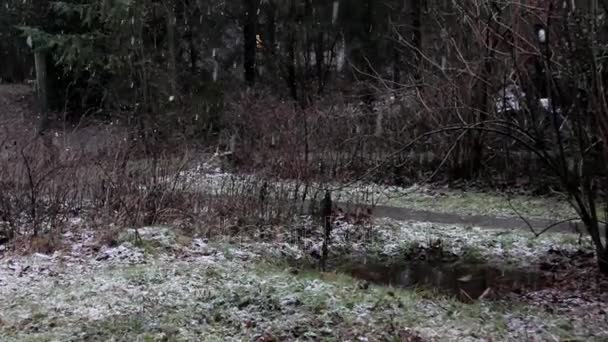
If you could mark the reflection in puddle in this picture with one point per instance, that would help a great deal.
(467, 282)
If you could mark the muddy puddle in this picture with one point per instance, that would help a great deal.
(467, 282)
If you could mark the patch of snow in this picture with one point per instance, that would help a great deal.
(509, 99)
(126, 252)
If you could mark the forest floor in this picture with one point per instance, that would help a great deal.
(424, 268)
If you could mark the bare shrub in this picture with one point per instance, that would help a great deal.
(95, 173)
(37, 186)
(505, 89)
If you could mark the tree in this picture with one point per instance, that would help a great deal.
(250, 35)
(562, 117)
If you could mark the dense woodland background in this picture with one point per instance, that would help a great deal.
(502, 93)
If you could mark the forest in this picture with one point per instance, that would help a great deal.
(303, 170)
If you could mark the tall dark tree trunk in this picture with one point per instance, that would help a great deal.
(369, 39)
(416, 18)
(593, 229)
(193, 52)
(191, 16)
(591, 222)
(269, 39)
(326, 210)
(250, 27)
(309, 74)
(171, 22)
(320, 61)
(291, 70)
(292, 81)
(271, 27)
(397, 33)
(602, 261)
(42, 91)
(396, 65)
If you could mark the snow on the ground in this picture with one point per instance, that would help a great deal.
(518, 247)
(227, 292)
(391, 238)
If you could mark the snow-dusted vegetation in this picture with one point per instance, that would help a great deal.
(167, 287)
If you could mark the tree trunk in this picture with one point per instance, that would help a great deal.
(326, 210)
(369, 55)
(190, 17)
(416, 15)
(171, 63)
(268, 36)
(292, 82)
(41, 80)
(602, 261)
(271, 27)
(250, 40)
(319, 62)
(593, 229)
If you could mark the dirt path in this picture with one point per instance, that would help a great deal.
(489, 222)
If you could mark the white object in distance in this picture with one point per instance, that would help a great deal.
(542, 35)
